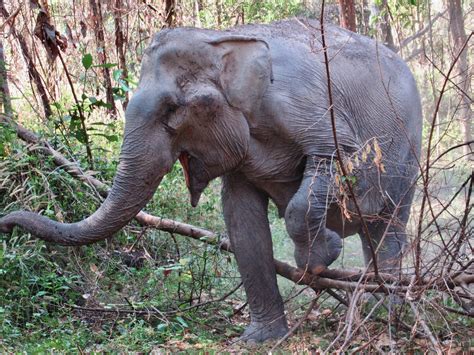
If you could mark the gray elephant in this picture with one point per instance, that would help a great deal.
(251, 105)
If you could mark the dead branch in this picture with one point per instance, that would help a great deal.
(426, 329)
(428, 155)
(98, 28)
(120, 44)
(10, 20)
(32, 71)
(154, 311)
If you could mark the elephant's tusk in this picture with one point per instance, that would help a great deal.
(184, 160)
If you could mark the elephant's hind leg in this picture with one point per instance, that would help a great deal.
(389, 244)
(388, 235)
(316, 246)
(245, 213)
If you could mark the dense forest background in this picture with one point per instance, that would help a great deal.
(67, 71)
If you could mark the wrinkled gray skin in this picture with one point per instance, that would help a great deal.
(251, 105)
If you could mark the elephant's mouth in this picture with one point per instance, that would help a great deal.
(184, 160)
(196, 175)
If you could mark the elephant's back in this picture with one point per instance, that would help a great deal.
(374, 92)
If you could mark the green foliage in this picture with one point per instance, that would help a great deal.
(267, 11)
(33, 285)
(7, 136)
(124, 84)
(253, 11)
(403, 9)
(87, 60)
(72, 120)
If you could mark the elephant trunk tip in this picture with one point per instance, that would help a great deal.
(43, 228)
(7, 223)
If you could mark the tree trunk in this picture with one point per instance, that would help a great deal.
(219, 13)
(120, 44)
(4, 89)
(364, 18)
(458, 35)
(384, 29)
(170, 13)
(30, 64)
(347, 14)
(196, 9)
(99, 34)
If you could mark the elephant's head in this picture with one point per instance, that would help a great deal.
(194, 101)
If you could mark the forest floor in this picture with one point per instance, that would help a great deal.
(73, 299)
(216, 329)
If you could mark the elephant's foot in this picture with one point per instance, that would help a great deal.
(259, 332)
(320, 253)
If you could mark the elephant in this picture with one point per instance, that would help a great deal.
(251, 105)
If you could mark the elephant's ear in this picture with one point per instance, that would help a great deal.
(246, 70)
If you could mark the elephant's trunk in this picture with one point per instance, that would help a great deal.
(128, 196)
(146, 156)
(143, 163)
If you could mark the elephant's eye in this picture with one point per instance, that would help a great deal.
(169, 112)
(170, 130)
(169, 117)
(171, 107)
(169, 104)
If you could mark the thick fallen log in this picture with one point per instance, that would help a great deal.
(348, 280)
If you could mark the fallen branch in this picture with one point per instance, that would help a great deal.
(349, 280)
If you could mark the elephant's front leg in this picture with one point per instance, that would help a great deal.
(316, 246)
(245, 213)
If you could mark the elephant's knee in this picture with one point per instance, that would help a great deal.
(296, 221)
(316, 247)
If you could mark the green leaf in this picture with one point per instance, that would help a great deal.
(124, 86)
(182, 322)
(80, 136)
(57, 105)
(110, 138)
(161, 327)
(117, 74)
(87, 60)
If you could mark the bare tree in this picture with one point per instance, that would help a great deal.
(120, 43)
(219, 12)
(99, 34)
(347, 14)
(170, 12)
(30, 64)
(459, 37)
(5, 101)
(385, 28)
